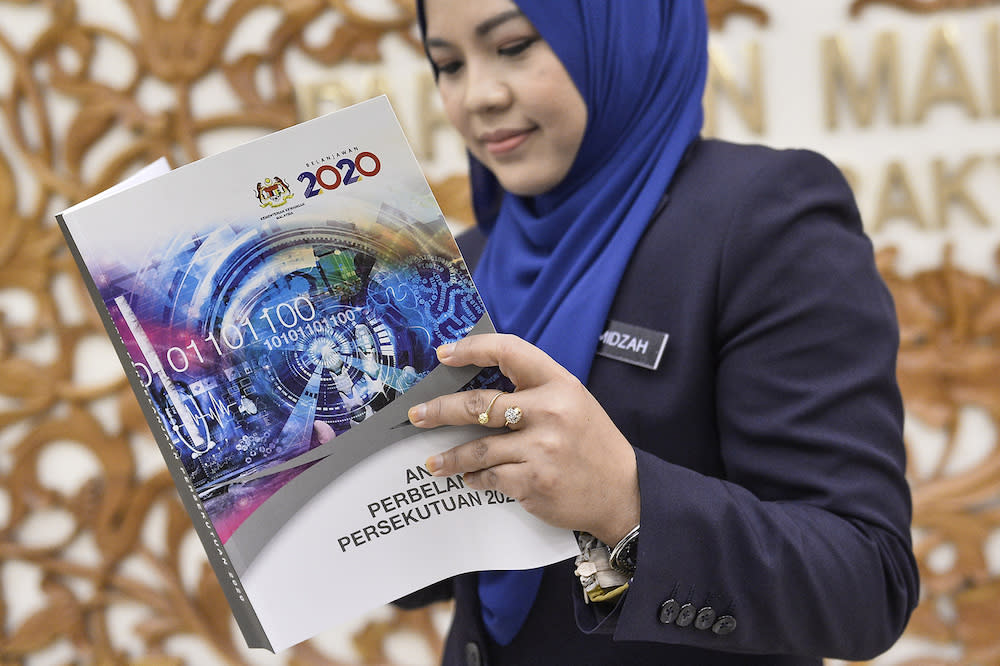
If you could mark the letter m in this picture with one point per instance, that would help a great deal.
(838, 76)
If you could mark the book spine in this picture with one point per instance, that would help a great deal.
(239, 603)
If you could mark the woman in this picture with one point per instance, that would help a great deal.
(753, 424)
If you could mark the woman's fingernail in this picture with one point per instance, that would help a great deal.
(444, 351)
(416, 414)
(434, 464)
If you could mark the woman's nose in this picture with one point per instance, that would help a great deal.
(486, 91)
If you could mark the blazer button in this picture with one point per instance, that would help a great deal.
(669, 610)
(724, 625)
(686, 616)
(472, 655)
(704, 619)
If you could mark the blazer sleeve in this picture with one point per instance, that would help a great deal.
(804, 544)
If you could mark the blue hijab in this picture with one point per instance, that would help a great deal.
(552, 265)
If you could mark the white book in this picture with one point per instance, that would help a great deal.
(276, 308)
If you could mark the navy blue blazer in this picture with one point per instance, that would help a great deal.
(775, 513)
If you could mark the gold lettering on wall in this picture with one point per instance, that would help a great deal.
(944, 78)
(896, 199)
(954, 87)
(851, 176)
(947, 196)
(861, 96)
(950, 190)
(993, 58)
(430, 117)
(317, 98)
(748, 101)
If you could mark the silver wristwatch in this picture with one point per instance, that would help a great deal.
(625, 552)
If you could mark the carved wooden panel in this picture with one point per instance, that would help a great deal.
(720, 10)
(106, 559)
(922, 6)
(949, 367)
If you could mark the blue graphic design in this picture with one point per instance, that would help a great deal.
(250, 335)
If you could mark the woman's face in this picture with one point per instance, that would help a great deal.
(506, 91)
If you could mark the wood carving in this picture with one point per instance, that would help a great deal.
(949, 362)
(720, 10)
(123, 531)
(921, 6)
(47, 409)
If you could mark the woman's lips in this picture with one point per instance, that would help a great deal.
(504, 141)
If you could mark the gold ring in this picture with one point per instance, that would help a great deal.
(484, 417)
(512, 415)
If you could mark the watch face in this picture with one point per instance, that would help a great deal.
(623, 558)
(629, 556)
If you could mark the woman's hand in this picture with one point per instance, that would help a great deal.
(564, 460)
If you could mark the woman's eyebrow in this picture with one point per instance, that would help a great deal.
(482, 29)
(489, 24)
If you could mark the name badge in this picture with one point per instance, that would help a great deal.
(634, 345)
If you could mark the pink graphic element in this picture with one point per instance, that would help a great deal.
(231, 508)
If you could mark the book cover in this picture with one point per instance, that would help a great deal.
(276, 308)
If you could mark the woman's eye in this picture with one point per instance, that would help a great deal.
(517, 47)
(449, 67)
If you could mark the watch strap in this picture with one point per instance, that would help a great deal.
(600, 582)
